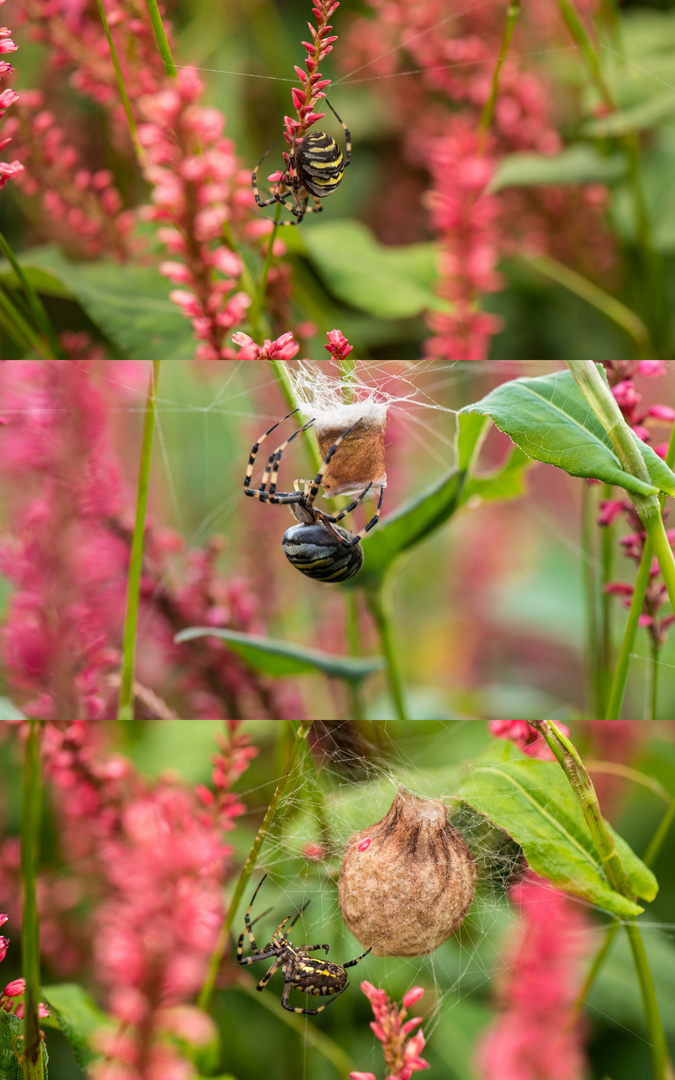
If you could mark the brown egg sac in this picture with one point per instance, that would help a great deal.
(407, 881)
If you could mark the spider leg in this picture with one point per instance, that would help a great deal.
(350, 963)
(270, 473)
(254, 182)
(347, 510)
(311, 948)
(373, 521)
(348, 137)
(247, 481)
(316, 484)
(307, 1012)
(268, 975)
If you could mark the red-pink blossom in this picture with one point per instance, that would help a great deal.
(338, 346)
(537, 1034)
(401, 1055)
(526, 738)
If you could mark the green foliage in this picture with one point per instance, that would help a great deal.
(550, 419)
(8, 711)
(534, 803)
(387, 282)
(579, 163)
(11, 1048)
(78, 1018)
(129, 304)
(277, 658)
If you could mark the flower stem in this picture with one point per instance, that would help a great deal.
(659, 836)
(126, 708)
(30, 926)
(255, 311)
(35, 304)
(131, 123)
(618, 686)
(206, 993)
(658, 1046)
(378, 609)
(512, 13)
(161, 38)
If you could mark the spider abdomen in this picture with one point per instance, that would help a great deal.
(318, 976)
(320, 164)
(314, 551)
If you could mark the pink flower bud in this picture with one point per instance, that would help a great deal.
(15, 988)
(4, 945)
(361, 1076)
(651, 368)
(410, 1025)
(661, 412)
(413, 995)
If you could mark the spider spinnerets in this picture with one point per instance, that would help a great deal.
(299, 970)
(315, 167)
(316, 546)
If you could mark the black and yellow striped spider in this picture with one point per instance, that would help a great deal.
(317, 546)
(315, 167)
(299, 970)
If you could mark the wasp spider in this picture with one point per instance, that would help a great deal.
(299, 970)
(316, 546)
(315, 167)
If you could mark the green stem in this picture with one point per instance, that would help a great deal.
(656, 842)
(131, 123)
(658, 1046)
(592, 294)
(126, 706)
(30, 925)
(20, 330)
(161, 38)
(512, 13)
(206, 994)
(656, 531)
(618, 687)
(580, 35)
(34, 302)
(582, 786)
(255, 311)
(598, 961)
(281, 375)
(588, 531)
(378, 610)
(607, 553)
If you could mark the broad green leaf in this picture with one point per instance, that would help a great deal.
(646, 114)
(8, 711)
(387, 282)
(550, 420)
(576, 164)
(78, 1018)
(412, 523)
(471, 431)
(533, 802)
(11, 1047)
(272, 657)
(129, 304)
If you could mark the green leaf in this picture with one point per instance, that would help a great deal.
(78, 1018)
(550, 420)
(576, 164)
(471, 431)
(412, 523)
(641, 117)
(505, 482)
(271, 657)
(533, 802)
(129, 304)
(11, 1047)
(388, 282)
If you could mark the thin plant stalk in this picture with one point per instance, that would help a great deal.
(512, 13)
(31, 812)
(255, 312)
(35, 304)
(126, 706)
(205, 998)
(588, 531)
(161, 38)
(582, 786)
(607, 560)
(19, 328)
(378, 609)
(126, 104)
(618, 686)
(656, 843)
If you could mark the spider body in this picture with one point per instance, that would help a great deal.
(314, 551)
(314, 168)
(315, 546)
(300, 971)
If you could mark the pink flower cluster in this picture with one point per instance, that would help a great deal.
(313, 84)
(464, 216)
(195, 179)
(14, 990)
(81, 207)
(536, 1034)
(338, 346)
(526, 738)
(8, 169)
(401, 1054)
(284, 347)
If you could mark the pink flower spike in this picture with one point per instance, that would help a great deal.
(413, 995)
